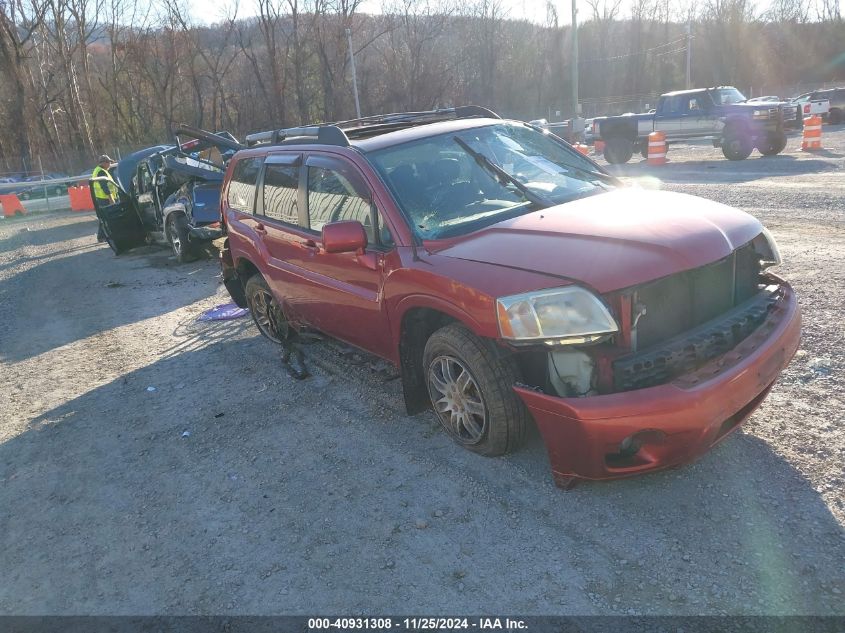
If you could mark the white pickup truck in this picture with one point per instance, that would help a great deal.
(810, 106)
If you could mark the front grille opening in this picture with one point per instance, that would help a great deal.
(688, 351)
(680, 302)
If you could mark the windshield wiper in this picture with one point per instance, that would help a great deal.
(501, 174)
(612, 180)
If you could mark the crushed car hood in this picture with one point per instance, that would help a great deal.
(610, 241)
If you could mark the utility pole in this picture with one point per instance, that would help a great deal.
(354, 75)
(689, 55)
(574, 61)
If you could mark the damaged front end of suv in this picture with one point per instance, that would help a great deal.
(653, 374)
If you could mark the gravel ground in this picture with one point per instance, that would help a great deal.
(151, 464)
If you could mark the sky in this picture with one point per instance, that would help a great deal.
(534, 10)
(207, 11)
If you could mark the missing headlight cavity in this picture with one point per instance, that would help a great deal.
(571, 373)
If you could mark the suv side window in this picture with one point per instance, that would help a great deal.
(694, 105)
(241, 194)
(280, 193)
(333, 197)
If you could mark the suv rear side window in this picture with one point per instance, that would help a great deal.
(280, 192)
(241, 196)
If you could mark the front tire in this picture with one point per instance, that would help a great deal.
(834, 117)
(471, 390)
(265, 310)
(773, 144)
(618, 151)
(178, 234)
(737, 144)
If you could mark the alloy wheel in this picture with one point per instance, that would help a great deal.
(175, 242)
(268, 315)
(457, 399)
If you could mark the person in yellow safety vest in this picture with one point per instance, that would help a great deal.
(105, 192)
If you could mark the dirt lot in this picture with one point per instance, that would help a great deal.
(153, 464)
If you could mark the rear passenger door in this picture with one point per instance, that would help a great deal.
(344, 293)
(668, 118)
(280, 214)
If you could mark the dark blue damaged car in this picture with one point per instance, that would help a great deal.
(169, 194)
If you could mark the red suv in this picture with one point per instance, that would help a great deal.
(510, 278)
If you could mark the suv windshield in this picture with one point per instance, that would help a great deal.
(727, 96)
(455, 183)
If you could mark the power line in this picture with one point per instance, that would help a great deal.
(637, 54)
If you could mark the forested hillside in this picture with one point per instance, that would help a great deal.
(85, 76)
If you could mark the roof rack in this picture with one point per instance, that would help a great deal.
(323, 134)
(460, 112)
(335, 133)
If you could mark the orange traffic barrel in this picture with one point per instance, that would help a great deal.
(656, 148)
(80, 198)
(584, 149)
(11, 205)
(812, 141)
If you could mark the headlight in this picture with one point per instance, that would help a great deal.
(768, 249)
(563, 315)
(761, 114)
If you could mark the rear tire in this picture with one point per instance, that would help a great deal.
(178, 234)
(618, 151)
(834, 117)
(774, 143)
(265, 310)
(737, 144)
(471, 391)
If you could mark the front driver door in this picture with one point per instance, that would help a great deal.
(343, 297)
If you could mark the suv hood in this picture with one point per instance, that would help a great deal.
(612, 240)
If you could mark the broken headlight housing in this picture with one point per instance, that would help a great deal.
(765, 245)
(565, 316)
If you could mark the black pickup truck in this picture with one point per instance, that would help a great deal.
(720, 114)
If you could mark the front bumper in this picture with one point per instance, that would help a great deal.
(673, 423)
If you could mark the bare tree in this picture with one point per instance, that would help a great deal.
(18, 23)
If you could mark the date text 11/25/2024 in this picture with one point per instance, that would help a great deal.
(417, 624)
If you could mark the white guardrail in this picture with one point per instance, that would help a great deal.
(35, 200)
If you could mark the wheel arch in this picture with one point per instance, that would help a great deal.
(417, 324)
(624, 129)
(168, 212)
(736, 123)
(246, 268)
(419, 317)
